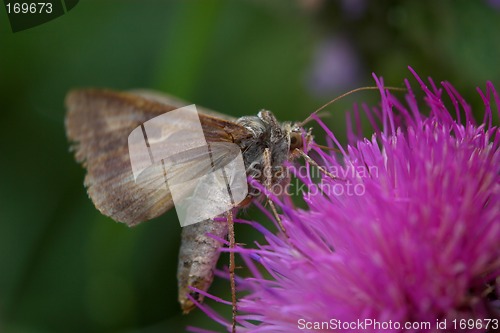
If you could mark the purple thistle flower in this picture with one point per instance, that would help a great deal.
(409, 232)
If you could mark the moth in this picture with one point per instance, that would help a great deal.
(98, 123)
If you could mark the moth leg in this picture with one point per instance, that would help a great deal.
(268, 174)
(268, 178)
(230, 225)
(313, 162)
(276, 216)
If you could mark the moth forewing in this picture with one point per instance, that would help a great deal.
(214, 189)
(99, 122)
(178, 103)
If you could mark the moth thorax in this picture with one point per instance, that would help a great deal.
(266, 151)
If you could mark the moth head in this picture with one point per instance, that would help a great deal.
(296, 141)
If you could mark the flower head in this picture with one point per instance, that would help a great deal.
(416, 240)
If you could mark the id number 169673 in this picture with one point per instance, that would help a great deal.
(29, 8)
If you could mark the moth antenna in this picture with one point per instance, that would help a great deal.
(327, 148)
(324, 114)
(313, 162)
(230, 224)
(347, 94)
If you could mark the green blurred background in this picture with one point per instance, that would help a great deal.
(66, 268)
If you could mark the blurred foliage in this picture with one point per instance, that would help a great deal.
(66, 268)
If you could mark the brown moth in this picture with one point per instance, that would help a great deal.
(98, 122)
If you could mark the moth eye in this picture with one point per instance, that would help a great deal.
(295, 141)
(278, 173)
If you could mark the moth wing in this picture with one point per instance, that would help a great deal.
(217, 127)
(197, 162)
(206, 181)
(177, 102)
(99, 123)
(188, 165)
